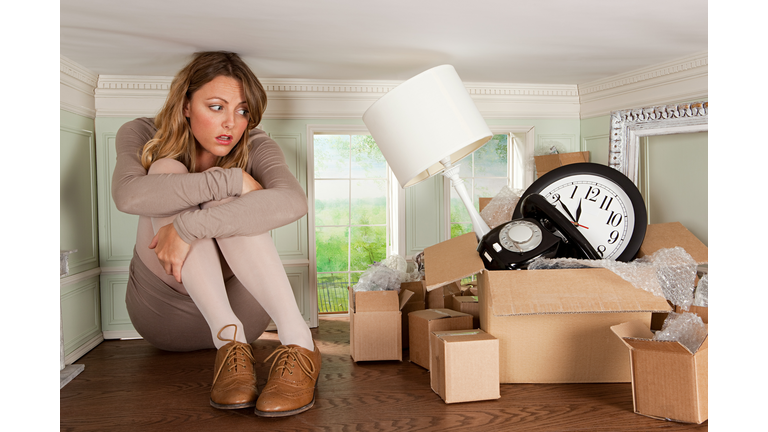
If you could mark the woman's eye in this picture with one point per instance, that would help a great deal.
(243, 112)
(216, 107)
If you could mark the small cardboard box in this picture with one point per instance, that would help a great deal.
(547, 163)
(422, 323)
(443, 297)
(374, 324)
(464, 365)
(469, 305)
(416, 302)
(553, 326)
(668, 380)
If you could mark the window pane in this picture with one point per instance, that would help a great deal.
(331, 156)
(332, 294)
(367, 160)
(459, 229)
(368, 246)
(487, 188)
(465, 167)
(369, 202)
(491, 159)
(331, 202)
(331, 246)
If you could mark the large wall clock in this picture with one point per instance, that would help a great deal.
(601, 202)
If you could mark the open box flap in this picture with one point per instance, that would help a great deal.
(636, 335)
(451, 261)
(405, 295)
(666, 235)
(435, 314)
(376, 301)
(595, 290)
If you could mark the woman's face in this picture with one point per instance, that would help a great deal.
(218, 117)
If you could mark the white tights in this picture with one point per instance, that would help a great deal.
(253, 260)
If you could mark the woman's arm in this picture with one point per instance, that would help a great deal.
(135, 192)
(281, 201)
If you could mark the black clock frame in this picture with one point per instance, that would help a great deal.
(641, 216)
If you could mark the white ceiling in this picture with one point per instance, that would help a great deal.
(501, 41)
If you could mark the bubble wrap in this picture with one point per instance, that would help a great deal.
(501, 207)
(668, 273)
(686, 328)
(407, 273)
(378, 278)
(701, 296)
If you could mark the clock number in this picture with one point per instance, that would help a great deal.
(614, 237)
(594, 191)
(601, 250)
(575, 188)
(555, 198)
(614, 219)
(607, 201)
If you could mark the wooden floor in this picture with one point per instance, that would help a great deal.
(131, 386)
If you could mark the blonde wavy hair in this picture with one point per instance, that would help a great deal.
(174, 138)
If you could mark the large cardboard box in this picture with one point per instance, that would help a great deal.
(553, 326)
(443, 297)
(374, 324)
(423, 323)
(416, 302)
(464, 365)
(668, 380)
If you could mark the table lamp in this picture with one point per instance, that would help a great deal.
(424, 126)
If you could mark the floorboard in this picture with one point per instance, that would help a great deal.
(132, 386)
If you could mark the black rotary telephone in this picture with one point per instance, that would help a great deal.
(543, 231)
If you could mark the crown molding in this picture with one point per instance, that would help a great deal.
(132, 96)
(681, 80)
(76, 89)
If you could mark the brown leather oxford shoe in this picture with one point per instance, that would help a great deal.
(292, 379)
(234, 381)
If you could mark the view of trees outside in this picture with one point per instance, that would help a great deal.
(350, 213)
(484, 173)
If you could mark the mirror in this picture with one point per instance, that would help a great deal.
(628, 126)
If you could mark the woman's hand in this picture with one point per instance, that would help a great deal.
(249, 184)
(170, 249)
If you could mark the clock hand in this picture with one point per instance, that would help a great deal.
(573, 219)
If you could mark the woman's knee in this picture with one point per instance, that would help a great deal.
(167, 166)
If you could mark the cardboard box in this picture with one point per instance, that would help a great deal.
(547, 163)
(422, 323)
(668, 380)
(442, 297)
(416, 302)
(469, 305)
(464, 365)
(374, 324)
(553, 326)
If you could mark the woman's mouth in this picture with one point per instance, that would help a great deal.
(224, 139)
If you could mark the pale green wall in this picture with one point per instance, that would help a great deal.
(79, 300)
(595, 138)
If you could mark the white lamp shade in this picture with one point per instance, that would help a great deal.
(424, 120)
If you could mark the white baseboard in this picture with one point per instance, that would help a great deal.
(83, 349)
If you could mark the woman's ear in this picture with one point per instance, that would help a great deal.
(186, 108)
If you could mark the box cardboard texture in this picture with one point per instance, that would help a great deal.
(416, 302)
(442, 297)
(553, 326)
(668, 381)
(422, 323)
(547, 163)
(469, 305)
(464, 365)
(375, 324)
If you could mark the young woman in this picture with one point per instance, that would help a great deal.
(208, 187)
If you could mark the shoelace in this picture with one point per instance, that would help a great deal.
(237, 353)
(287, 357)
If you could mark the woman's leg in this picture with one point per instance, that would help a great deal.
(201, 275)
(256, 263)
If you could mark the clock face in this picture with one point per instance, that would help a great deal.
(604, 205)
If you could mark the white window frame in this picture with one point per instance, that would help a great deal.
(395, 217)
(520, 166)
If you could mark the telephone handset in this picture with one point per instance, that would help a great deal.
(543, 231)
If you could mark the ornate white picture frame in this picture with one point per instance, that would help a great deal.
(628, 126)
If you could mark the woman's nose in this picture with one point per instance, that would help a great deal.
(229, 120)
